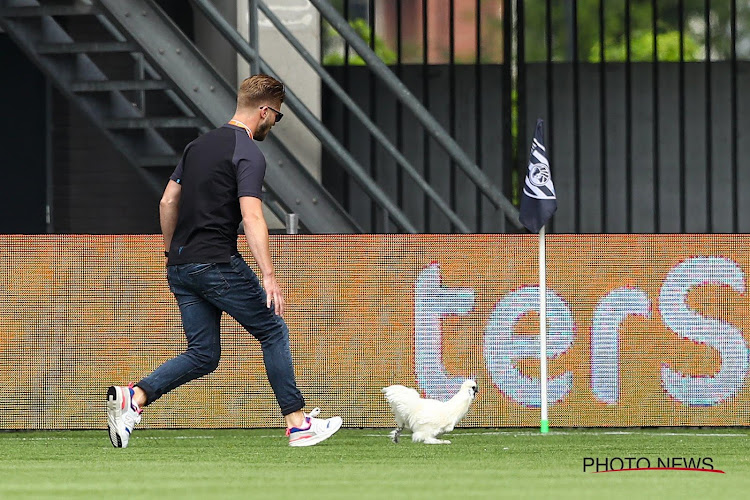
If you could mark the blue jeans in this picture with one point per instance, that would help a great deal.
(203, 292)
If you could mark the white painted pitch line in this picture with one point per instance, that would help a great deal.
(581, 433)
(496, 433)
(61, 438)
(602, 433)
(37, 439)
(387, 435)
(696, 434)
(175, 437)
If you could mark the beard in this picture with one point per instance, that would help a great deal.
(263, 129)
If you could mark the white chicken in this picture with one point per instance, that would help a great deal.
(428, 418)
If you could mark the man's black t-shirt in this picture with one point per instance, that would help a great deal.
(216, 169)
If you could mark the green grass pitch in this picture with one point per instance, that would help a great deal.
(360, 464)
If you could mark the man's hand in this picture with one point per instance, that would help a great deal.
(274, 296)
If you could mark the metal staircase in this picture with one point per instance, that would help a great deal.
(140, 80)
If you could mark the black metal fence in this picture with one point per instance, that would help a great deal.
(646, 121)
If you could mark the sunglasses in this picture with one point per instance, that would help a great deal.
(279, 114)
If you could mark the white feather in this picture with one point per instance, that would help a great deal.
(428, 418)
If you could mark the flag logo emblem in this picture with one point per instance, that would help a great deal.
(539, 174)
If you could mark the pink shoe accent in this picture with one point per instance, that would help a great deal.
(289, 430)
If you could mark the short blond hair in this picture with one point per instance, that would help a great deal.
(260, 90)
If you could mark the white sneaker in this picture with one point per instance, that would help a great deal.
(122, 415)
(314, 430)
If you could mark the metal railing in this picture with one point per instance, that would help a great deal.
(307, 117)
(642, 102)
(430, 124)
(333, 146)
(652, 111)
(366, 121)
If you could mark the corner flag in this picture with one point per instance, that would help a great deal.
(538, 199)
(538, 203)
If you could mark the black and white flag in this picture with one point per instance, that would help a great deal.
(538, 199)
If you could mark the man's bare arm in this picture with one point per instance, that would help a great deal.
(256, 232)
(169, 207)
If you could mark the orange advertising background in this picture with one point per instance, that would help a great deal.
(80, 313)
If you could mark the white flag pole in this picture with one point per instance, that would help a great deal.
(543, 328)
